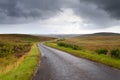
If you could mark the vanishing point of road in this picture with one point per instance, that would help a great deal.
(59, 65)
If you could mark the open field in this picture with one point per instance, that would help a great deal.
(13, 46)
(13, 51)
(24, 68)
(23, 38)
(93, 43)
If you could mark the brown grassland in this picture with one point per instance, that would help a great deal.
(95, 42)
(14, 46)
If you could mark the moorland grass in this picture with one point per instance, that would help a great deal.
(104, 59)
(15, 64)
(94, 43)
(25, 69)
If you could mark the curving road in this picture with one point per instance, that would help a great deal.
(59, 65)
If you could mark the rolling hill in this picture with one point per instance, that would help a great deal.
(103, 34)
(23, 37)
(96, 41)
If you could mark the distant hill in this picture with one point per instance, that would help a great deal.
(103, 34)
(102, 40)
(77, 35)
(63, 35)
(23, 37)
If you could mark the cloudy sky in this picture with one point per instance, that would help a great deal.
(59, 16)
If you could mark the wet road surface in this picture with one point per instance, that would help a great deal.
(59, 65)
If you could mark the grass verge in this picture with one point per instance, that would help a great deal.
(26, 68)
(88, 55)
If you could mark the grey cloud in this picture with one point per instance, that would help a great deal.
(95, 13)
(17, 10)
(111, 6)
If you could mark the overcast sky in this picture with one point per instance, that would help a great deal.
(59, 16)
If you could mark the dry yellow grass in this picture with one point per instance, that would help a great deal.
(23, 38)
(11, 66)
(96, 42)
(9, 62)
(22, 70)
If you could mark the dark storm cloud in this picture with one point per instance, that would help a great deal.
(99, 13)
(111, 6)
(94, 13)
(25, 10)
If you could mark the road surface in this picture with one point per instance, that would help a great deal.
(59, 65)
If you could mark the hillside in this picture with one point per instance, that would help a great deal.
(18, 44)
(77, 35)
(96, 41)
(14, 46)
(23, 37)
(63, 35)
(103, 34)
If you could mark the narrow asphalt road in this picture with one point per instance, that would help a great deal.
(59, 65)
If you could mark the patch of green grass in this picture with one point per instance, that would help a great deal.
(104, 59)
(75, 47)
(26, 69)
